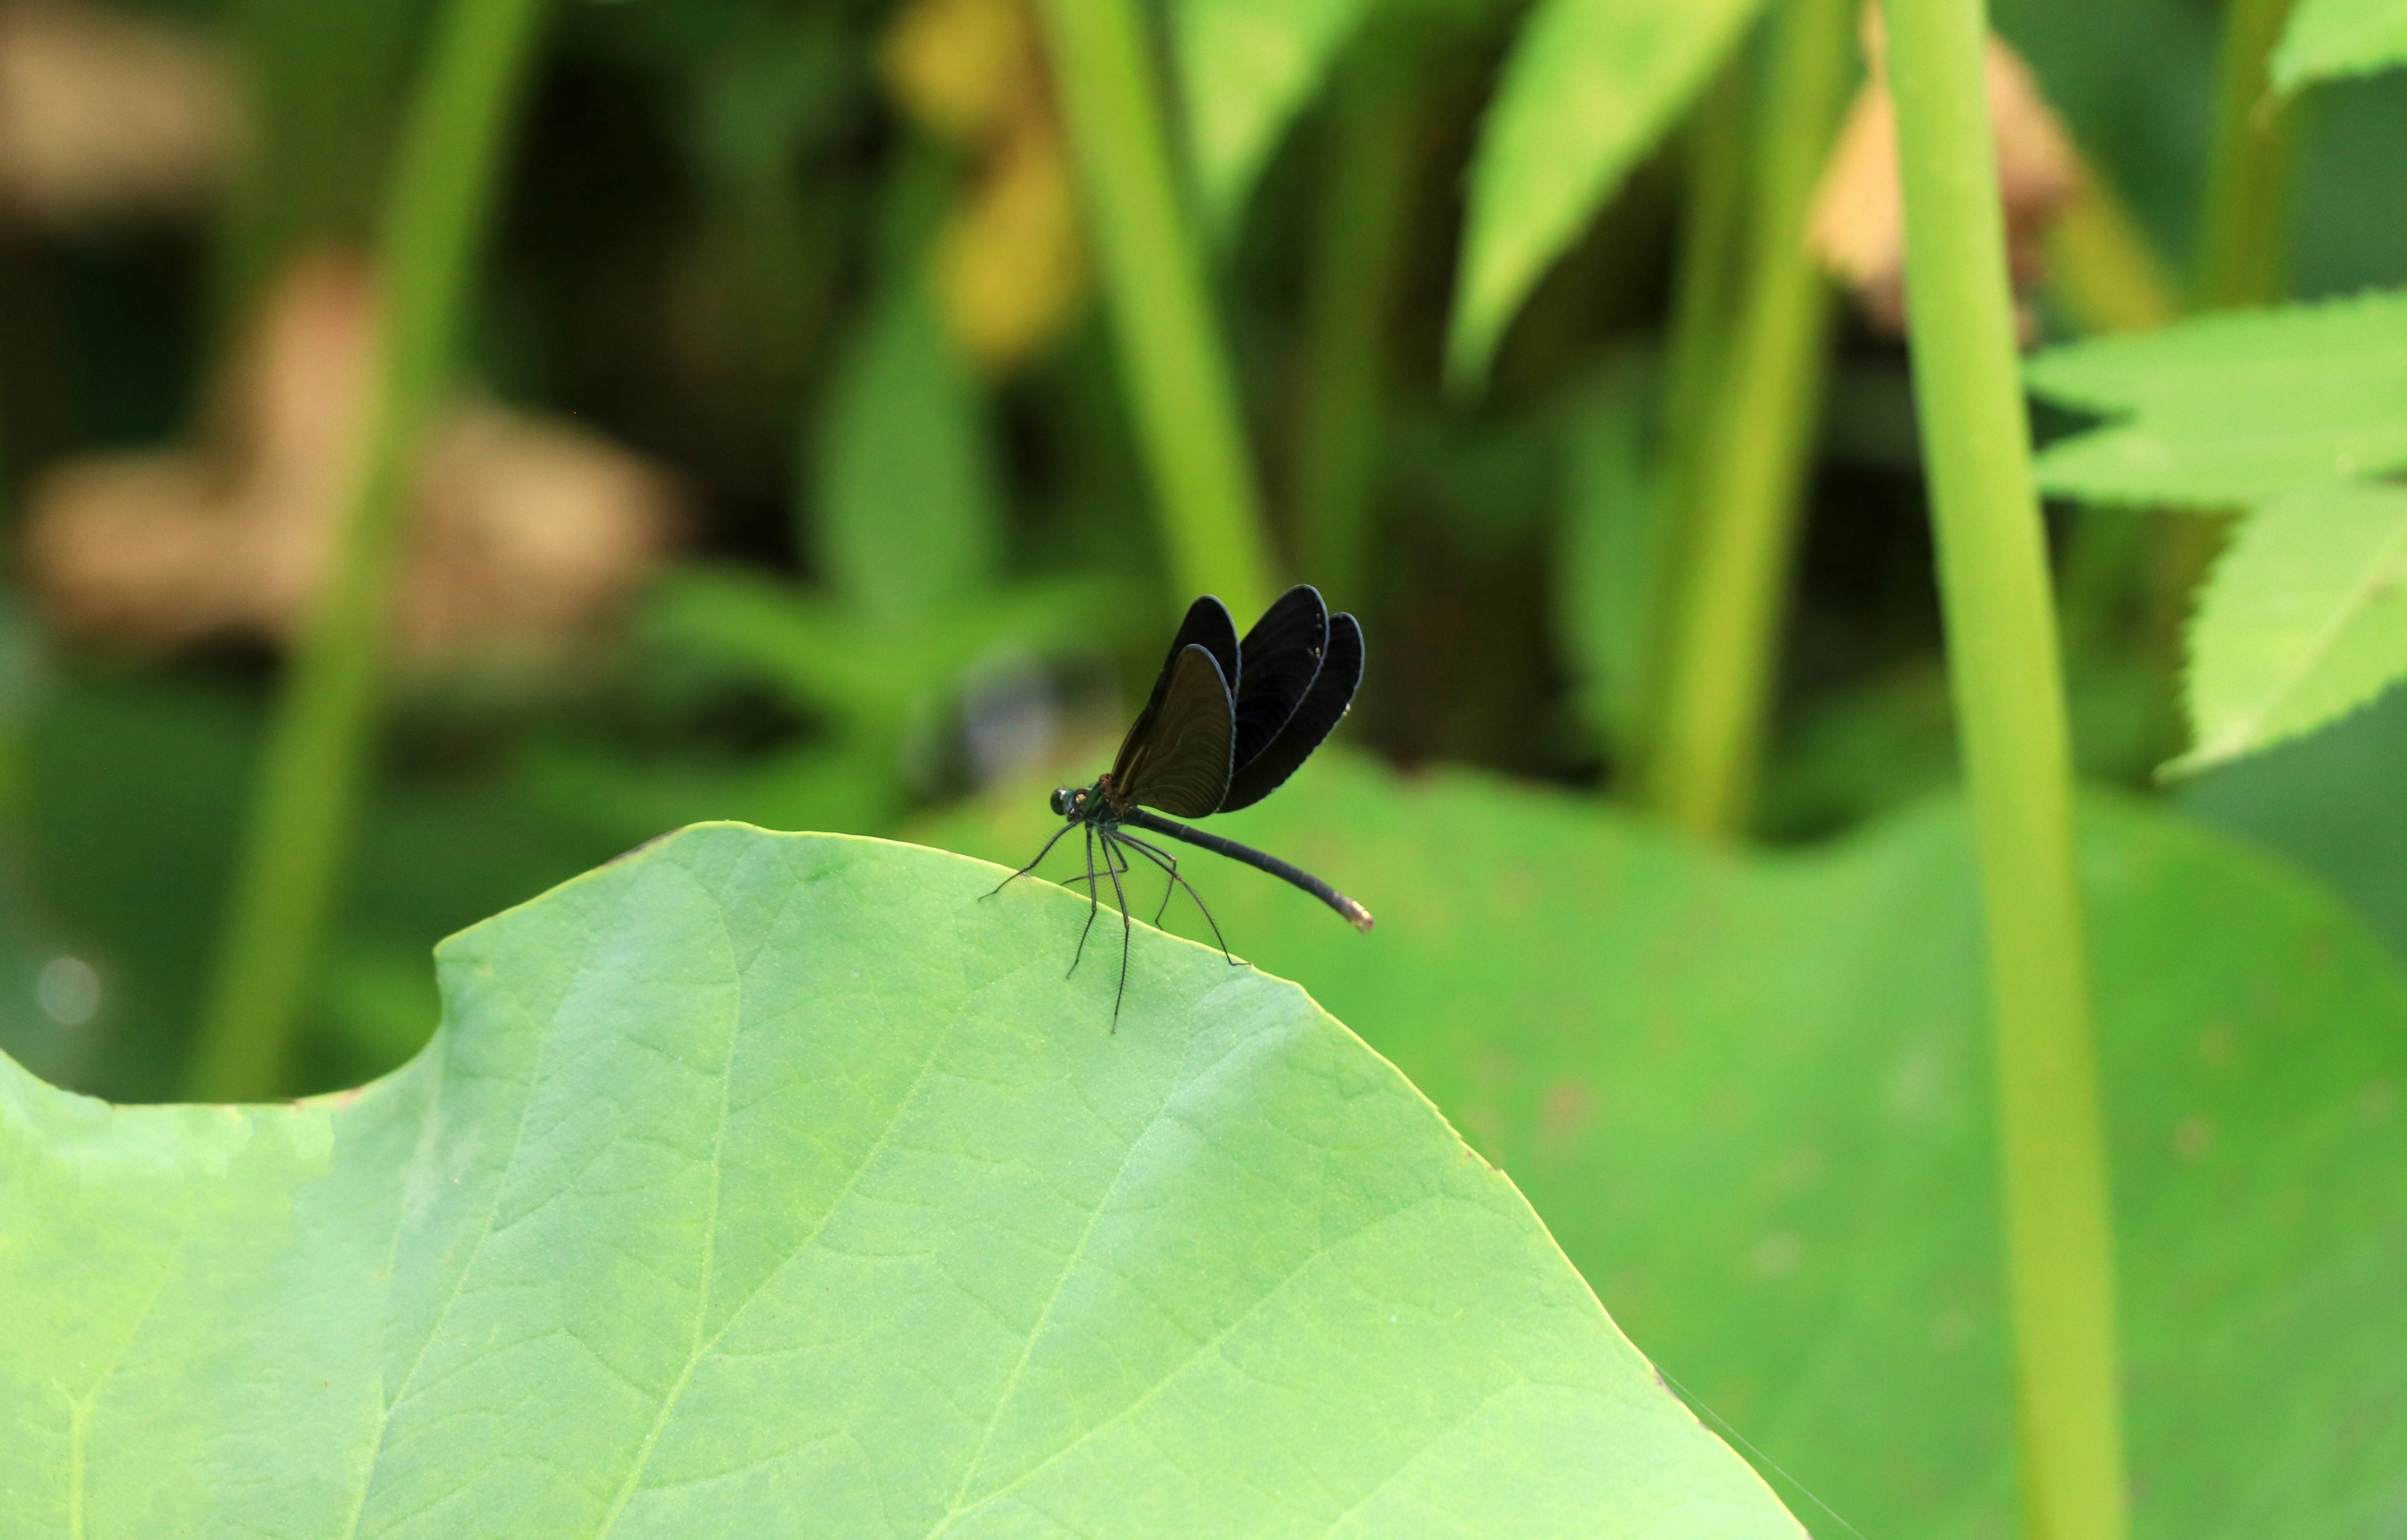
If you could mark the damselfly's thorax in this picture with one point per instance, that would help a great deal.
(1083, 804)
(1225, 723)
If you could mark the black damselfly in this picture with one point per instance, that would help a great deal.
(1226, 725)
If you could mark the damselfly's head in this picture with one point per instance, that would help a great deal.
(1069, 801)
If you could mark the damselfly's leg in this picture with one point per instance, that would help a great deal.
(1168, 863)
(1169, 890)
(1127, 931)
(1092, 900)
(1033, 864)
(1093, 878)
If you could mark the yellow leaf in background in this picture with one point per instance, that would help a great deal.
(962, 68)
(1011, 264)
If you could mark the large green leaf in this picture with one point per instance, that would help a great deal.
(765, 1184)
(2334, 802)
(2233, 410)
(1590, 86)
(1751, 1098)
(2305, 620)
(1246, 68)
(2325, 40)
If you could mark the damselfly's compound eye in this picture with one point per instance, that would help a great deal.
(1064, 802)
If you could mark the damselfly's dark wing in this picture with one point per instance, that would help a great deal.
(1276, 664)
(1177, 758)
(1332, 693)
(1208, 625)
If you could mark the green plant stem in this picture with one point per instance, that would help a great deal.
(307, 795)
(1177, 370)
(2252, 170)
(2002, 662)
(1356, 257)
(1703, 281)
(1736, 547)
(1704, 278)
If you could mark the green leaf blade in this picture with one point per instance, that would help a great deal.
(757, 1178)
(909, 511)
(1247, 67)
(1590, 87)
(2231, 409)
(2304, 621)
(2330, 39)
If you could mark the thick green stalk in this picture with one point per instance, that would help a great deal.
(1358, 250)
(1737, 547)
(1177, 370)
(1704, 281)
(308, 792)
(2002, 656)
(2252, 172)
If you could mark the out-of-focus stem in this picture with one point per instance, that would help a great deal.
(1703, 295)
(1176, 368)
(1732, 585)
(2252, 171)
(2002, 662)
(307, 796)
(1704, 284)
(1358, 247)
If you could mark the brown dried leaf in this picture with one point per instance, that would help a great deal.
(1857, 228)
(106, 116)
(527, 534)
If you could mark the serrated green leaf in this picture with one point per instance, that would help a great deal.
(2303, 620)
(1590, 87)
(770, 1184)
(1247, 67)
(2233, 410)
(1752, 1099)
(2327, 39)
